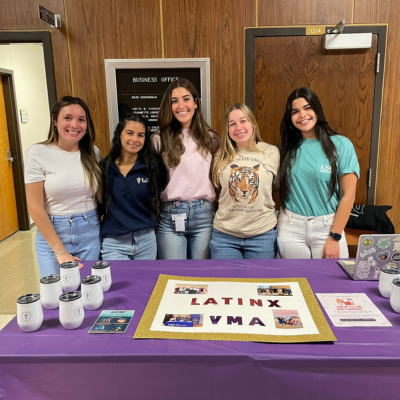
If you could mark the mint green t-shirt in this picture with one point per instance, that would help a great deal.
(311, 174)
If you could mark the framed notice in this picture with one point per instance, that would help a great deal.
(262, 310)
(138, 85)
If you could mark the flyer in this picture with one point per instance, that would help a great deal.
(352, 309)
(265, 310)
(112, 321)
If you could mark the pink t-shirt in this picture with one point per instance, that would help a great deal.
(190, 180)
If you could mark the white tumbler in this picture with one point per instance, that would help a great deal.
(92, 292)
(50, 291)
(395, 295)
(102, 268)
(71, 310)
(386, 278)
(29, 312)
(70, 276)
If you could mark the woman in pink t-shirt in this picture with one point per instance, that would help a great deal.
(186, 144)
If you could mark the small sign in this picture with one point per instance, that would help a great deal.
(49, 17)
(24, 116)
(316, 30)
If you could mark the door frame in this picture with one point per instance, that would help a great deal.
(14, 135)
(380, 30)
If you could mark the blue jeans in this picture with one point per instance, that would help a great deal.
(228, 247)
(193, 242)
(139, 245)
(80, 235)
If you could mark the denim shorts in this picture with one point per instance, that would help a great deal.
(228, 247)
(80, 235)
(139, 245)
(193, 242)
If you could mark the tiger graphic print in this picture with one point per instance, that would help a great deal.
(244, 183)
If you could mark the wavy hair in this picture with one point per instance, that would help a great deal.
(227, 152)
(89, 159)
(170, 128)
(292, 138)
(155, 167)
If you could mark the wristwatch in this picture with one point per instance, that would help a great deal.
(335, 236)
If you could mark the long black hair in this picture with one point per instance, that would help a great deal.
(291, 139)
(155, 167)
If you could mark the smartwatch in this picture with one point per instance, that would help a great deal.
(335, 236)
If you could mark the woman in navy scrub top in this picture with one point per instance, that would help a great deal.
(133, 177)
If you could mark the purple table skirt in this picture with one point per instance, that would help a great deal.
(54, 363)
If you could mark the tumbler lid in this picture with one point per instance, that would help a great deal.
(70, 296)
(101, 265)
(50, 279)
(396, 281)
(390, 270)
(69, 264)
(28, 298)
(91, 280)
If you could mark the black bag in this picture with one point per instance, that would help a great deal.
(370, 218)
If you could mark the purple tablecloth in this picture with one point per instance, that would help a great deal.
(53, 363)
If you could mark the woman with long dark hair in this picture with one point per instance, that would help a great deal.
(318, 177)
(63, 179)
(133, 177)
(186, 144)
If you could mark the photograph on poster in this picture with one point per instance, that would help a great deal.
(184, 320)
(346, 302)
(274, 290)
(287, 319)
(232, 309)
(184, 288)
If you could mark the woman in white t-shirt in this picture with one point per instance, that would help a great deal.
(62, 177)
(244, 170)
(186, 144)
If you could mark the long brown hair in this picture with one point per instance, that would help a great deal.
(292, 139)
(170, 128)
(89, 159)
(227, 152)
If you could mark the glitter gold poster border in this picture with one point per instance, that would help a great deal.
(143, 330)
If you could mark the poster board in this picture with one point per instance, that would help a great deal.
(263, 310)
(138, 85)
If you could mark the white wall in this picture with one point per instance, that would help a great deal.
(27, 63)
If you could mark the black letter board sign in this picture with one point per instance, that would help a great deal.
(139, 85)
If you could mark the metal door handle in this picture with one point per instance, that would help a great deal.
(9, 158)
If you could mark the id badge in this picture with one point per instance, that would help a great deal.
(179, 221)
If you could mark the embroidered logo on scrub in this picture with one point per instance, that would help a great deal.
(142, 180)
(325, 168)
(244, 183)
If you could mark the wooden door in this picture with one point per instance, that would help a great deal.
(343, 80)
(8, 205)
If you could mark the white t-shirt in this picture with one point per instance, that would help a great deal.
(66, 188)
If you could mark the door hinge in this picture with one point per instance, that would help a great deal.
(378, 62)
(369, 177)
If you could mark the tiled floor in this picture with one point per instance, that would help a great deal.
(19, 273)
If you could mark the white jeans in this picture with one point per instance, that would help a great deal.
(305, 237)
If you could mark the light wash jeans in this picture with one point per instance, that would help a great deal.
(305, 237)
(228, 247)
(193, 242)
(80, 235)
(139, 245)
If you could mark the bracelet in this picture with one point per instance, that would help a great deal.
(60, 253)
(54, 245)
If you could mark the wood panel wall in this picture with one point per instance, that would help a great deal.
(97, 29)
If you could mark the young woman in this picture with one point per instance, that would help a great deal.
(244, 169)
(133, 176)
(186, 144)
(62, 178)
(318, 178)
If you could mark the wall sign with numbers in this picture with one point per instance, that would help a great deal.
(138, 86)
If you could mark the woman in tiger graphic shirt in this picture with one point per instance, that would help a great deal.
(244, 171)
